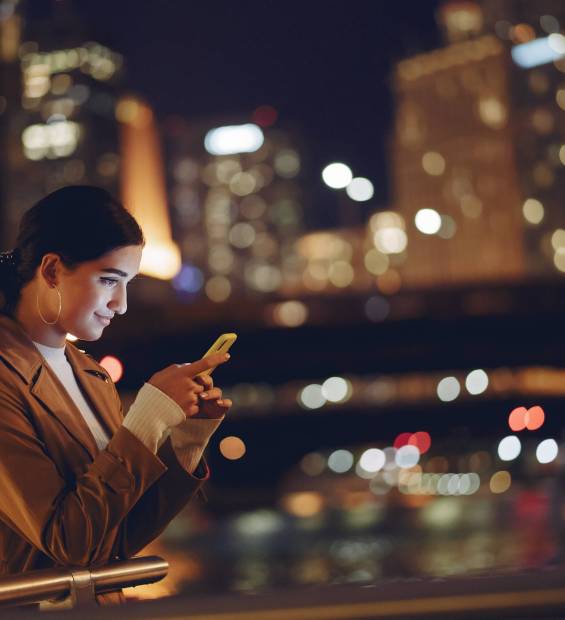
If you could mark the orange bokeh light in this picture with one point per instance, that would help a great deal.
(517, 419)
(522, 418)
(113, 366)
(232, 448)
(535, 418)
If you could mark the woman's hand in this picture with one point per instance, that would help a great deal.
(211, 403)
(181, 383)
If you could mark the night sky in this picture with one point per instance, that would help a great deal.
(325, 65)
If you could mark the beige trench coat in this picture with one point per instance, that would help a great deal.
(64, 502)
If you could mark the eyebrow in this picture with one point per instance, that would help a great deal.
(118, 272)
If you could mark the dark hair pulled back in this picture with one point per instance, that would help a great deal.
(80, 223)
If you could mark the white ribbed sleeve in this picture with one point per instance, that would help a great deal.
(153, 416)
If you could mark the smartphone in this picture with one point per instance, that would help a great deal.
(222, 345)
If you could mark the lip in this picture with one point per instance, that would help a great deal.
(103, 319)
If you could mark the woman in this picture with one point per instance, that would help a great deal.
(80, 484)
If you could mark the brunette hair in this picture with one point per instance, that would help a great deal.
(79, 223)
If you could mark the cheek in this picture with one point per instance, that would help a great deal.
(89, 297)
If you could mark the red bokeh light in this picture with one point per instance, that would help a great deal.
(113, 366)
(402, 440)
(264, 116)
(421, 440)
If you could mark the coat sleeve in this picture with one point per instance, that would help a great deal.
(73, 522)
(162, 502)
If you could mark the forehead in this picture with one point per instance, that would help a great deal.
(121, 261)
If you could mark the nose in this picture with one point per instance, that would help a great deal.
(118, 304)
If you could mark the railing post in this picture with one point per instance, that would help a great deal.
(82, 593)
(82, 589)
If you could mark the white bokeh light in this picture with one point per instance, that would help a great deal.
(372, 460)
(428, 221)
(407, 456)
(233, 139)
(340, 461)
(337, 175)
(509, 448)
(311, 396)
(390, 240)
(360, 189)
(547, 451)
(336, 389)
(476, 381)
(448, 389)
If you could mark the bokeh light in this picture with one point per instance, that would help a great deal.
(533, 211)
(336, 389)
(448, 389)
(340, 461)
(422, 440)
(313, 464)
(476, 381)
(509, 448)
(303, 504)
(114, 367)
(433, 163)
(500, 482)
(407, 456)
(337, 175)
(360, 189)
(372, 460)
(517, 419)
(547, 451)
(312, 397)
(232, 448)
(428, 221)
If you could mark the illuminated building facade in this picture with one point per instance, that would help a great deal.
(237, 205)
(532, 33)
(58, 125)
(477, 150)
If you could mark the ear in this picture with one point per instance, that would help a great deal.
(50, 269)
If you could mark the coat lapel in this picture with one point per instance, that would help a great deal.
(55, 398)
(18, 351)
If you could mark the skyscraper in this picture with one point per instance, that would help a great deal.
(237, 205)
(477, 147)
(59, 125)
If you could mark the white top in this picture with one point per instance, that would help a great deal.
(57, 360)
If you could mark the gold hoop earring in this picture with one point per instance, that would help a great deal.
(58, 313)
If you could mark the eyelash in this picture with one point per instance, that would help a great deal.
(106, 280)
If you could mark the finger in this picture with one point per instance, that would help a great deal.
(226, 403)
(206, 363)
(213, 394)
(193, 386)
(205, 380)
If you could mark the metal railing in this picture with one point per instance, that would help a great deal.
(78, 587)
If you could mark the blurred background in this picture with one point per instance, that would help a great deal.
(371, 195)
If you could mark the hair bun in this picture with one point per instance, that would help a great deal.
(9, 258)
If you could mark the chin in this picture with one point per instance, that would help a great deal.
(87, 335)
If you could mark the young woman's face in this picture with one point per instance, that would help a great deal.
(96, 291)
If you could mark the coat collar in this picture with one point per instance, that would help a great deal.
(17, 349)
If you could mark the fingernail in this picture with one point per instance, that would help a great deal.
(220, 402)
(204, 394)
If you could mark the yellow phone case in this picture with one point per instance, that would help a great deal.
(222, 345)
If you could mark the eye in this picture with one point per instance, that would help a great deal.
(109, 282)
